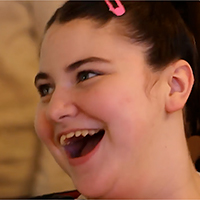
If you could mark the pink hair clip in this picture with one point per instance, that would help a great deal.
(120, 10)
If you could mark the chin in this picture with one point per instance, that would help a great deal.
(92, 189)
(93, 193)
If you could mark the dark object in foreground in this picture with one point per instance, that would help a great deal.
(74, 194)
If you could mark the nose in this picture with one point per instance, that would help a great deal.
(61, 106)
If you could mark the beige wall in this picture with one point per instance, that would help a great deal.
(26, 167)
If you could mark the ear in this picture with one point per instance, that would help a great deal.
(180, 81)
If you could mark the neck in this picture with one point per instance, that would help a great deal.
(181, 179)
(175, 176)
(167, 172)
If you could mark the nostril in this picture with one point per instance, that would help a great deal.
(61, 104)
(63, 116)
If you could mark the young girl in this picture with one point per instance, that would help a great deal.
(114, 81)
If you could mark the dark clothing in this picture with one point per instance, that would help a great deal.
(74, 194)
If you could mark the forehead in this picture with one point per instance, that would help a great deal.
(82, 32)
(81, 38)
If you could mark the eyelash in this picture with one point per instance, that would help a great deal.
(84, 75)
(45, 90)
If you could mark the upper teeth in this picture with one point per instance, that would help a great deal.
(76, 134)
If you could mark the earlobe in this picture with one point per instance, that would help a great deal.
(180, 81)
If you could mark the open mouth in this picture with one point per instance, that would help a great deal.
(82, 142)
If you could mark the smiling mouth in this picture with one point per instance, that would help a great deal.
(78, 145)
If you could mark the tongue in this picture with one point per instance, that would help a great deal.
(91, 144)
(83, 146)
(74, 148)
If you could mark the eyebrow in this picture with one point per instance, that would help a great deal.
(77, 64)
(40, 75)
(72, 67)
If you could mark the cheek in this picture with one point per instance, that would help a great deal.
(113, 101)
(42, 126)
(100, 103)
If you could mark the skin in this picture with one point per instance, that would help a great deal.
(140, 111)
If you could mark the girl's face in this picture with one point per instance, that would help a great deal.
(94, 82)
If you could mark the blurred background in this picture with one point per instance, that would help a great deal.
(26, 167)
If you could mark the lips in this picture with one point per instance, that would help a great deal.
(82, 142)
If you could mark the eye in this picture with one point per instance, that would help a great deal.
(45, 89)
(85, 75)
